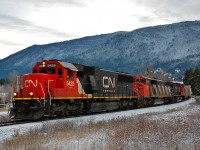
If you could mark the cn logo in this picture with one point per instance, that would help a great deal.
(108, 82)
(31, 82)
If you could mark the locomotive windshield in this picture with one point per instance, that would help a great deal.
(48, 70)
(45, 70)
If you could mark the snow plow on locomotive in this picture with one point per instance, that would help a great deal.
(56, 88)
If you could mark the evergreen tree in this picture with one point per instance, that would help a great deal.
(192, 77)
(188, 76)
(195, 81)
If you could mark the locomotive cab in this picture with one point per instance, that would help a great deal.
(178, 90)
(141, 86)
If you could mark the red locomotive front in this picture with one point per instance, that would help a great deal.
(50, 81)
(141, 86)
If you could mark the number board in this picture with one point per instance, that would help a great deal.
(51, 65)
(47, 65)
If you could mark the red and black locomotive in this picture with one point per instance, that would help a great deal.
(57, 88)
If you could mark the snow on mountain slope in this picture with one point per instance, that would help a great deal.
(170, 47)
(23, 60)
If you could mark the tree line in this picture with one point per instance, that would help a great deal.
(7, 86)
(3, 81)
(192, 77)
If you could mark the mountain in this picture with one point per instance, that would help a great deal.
(23, 60)
(173, 48)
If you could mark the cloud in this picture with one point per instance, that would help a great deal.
(14, 23)
(10, 43)
(43, 3)
(11, 20)
(14, 16)
(79, 3)
(181, 10)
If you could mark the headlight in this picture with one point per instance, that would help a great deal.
(31, 93)
(43, 64)
(15, 94)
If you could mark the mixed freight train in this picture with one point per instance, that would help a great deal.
(57, 88)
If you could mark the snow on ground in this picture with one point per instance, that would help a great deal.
(3, 113)
(9, 131)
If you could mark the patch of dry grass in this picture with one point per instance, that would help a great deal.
(157, 134)
(4, 118)
(197, 98)
(141, 132)
(39, 138)
(3, 109)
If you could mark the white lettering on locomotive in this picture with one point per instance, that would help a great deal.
(70, 83)
(107, 82)
(29, 82)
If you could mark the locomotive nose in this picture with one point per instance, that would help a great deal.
(35, 85)
(31, 91)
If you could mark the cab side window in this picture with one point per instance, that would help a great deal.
(143, 81)
(60, 72)
(70, 74)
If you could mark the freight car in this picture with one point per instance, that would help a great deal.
(57, 88)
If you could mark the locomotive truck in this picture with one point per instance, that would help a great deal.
(57, 88)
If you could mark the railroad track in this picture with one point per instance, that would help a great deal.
(14, 122)
(17, 122)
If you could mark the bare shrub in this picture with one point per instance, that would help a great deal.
(25, 142)
(197, 98)
(16, 133)
(4, 118)
(3, 109)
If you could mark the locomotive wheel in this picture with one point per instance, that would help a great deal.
(141, 103)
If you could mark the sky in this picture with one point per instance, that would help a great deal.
(27, 22)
